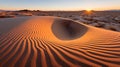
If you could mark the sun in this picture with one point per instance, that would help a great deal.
(88, 10)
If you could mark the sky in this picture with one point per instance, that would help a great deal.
(60, 4)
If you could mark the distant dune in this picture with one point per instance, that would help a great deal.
(56, 42)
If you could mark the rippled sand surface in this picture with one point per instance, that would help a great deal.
(56, 42)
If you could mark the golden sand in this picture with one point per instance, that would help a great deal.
(56, 42)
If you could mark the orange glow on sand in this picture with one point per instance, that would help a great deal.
(40, 39)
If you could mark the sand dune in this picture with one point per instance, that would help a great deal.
(56, 42)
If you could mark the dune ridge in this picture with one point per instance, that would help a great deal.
(34, 43)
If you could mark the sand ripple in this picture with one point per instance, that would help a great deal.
(33, 43)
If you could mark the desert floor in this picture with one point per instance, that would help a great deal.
(56, 42)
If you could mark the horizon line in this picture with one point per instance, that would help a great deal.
(95, 9)
(59, 10)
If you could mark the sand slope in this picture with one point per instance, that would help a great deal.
(56, 42)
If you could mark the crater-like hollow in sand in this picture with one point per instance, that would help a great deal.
(66, 29)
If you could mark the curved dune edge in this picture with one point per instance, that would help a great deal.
(33, 43)
(66, 29)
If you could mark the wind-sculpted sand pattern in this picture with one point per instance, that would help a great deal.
(57, 42)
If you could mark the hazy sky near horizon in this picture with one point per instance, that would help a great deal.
(60, 4)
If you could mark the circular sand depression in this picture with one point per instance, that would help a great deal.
(66, 29)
